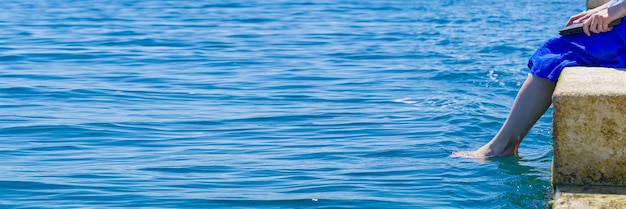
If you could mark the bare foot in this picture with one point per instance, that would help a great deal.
(489, 150)
(483, 152)
(467, 154)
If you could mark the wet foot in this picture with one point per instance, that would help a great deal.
(489, 150)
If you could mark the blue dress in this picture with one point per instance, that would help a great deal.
(598, 50)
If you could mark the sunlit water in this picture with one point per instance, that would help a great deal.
(268, 104)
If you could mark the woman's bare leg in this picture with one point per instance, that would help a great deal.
(531, 102)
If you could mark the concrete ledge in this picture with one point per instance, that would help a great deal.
(589, 131)
(589, 127)
(575, 197)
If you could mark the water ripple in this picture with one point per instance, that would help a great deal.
(269, 104)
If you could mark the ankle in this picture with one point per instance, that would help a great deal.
(499, 149)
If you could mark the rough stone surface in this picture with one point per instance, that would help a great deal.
(575, 197)
(595, 3)
(589, 127)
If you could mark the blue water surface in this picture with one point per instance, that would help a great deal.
(268, 104)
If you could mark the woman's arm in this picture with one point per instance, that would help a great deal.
(619, 7)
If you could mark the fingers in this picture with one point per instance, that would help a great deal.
(586, 27)
(596, 24)
(576, 18)
(605, 27)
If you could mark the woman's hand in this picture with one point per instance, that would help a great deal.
(578, 18)
(597, 22)
(581, 17)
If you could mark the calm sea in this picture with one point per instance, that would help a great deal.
(268, 104)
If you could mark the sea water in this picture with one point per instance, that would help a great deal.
(268, 104)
